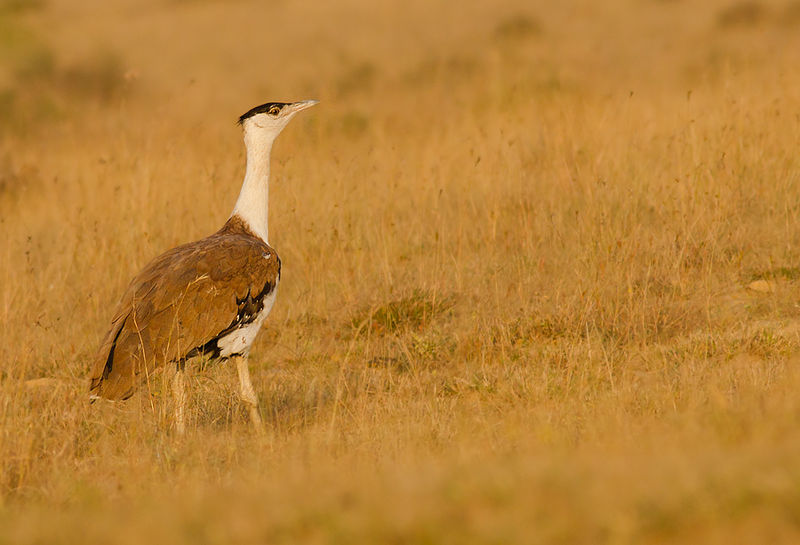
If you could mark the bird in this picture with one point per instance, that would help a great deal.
(209, 297)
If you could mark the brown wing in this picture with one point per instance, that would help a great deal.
(178, 303)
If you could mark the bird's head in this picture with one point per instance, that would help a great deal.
(266, 121)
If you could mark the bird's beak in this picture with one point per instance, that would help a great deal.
(302, 105)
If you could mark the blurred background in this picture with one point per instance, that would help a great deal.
(67, 60)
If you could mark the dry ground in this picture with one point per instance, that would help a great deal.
(516, 237)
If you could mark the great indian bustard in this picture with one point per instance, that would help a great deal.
(205, 297)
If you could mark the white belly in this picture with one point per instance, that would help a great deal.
(240, 340)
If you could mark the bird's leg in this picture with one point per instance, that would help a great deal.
(247, 393)
(179, 393)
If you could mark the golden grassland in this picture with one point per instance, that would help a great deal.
(517, 240)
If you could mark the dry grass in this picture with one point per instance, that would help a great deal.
(516, 242)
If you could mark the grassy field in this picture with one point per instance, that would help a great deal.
(541, 270)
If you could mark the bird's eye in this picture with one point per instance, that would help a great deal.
(274, 110)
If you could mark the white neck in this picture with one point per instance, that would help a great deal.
(253, 203)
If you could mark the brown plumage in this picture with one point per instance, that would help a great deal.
(206, 297)
(182, 303)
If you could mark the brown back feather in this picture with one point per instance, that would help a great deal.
(180, 301)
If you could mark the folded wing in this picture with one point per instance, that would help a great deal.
(179, 304)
